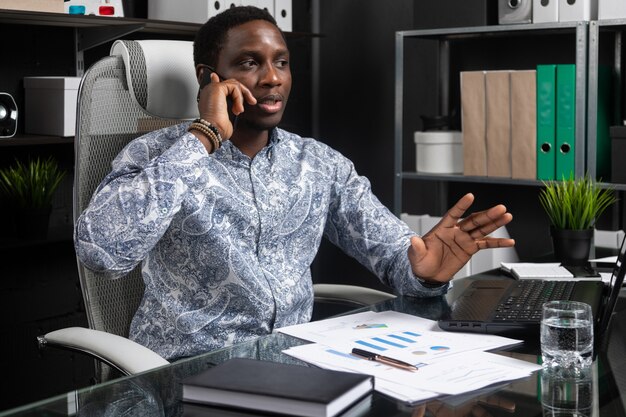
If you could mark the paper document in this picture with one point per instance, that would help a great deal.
(536, 270)
(448, 363)
(397, 335)
(457, 374)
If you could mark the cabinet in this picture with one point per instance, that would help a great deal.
(71, 38)
(478, 48)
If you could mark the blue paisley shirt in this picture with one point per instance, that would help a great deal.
(226, 242)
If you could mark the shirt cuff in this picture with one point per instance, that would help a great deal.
(429, 285)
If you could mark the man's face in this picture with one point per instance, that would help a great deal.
(255, 54)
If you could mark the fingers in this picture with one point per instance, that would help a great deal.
(214, 104)
(452, 217)
(492, 243)
(240, 95)
(482, 223)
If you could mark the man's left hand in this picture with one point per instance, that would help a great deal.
(442, 252)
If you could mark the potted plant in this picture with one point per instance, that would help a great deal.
(27, 190)
(573, 206)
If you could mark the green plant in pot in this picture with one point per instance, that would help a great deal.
(27, 190)
(573, 206)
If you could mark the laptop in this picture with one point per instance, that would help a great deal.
(494, 306)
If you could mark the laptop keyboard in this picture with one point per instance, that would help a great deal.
(525, 301)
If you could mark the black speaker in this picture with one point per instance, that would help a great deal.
(8, 116)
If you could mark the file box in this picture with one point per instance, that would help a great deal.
(199, 11)
(439, 152)
(50, 105)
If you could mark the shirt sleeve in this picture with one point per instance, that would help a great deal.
(135, 203)
(366, 230)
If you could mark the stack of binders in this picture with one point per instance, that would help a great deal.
(556, 122)
(522, 124)
(498, 119)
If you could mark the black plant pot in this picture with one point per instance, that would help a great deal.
(571, 247)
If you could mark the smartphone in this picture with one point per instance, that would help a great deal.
(206, 79)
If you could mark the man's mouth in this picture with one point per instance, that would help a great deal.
(271, 103)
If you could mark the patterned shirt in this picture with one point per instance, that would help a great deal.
(226, 242)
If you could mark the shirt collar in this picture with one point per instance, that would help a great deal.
(276, 136)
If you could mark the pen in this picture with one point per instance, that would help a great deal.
(370, 356)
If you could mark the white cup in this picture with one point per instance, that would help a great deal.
(566, 337)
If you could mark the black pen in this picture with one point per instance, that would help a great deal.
(370, 356)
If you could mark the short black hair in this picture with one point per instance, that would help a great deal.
(211, 36)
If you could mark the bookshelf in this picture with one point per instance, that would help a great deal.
(530, 44)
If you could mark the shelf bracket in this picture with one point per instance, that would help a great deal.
(89, 37)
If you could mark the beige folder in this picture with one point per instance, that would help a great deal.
(473, 122)
(498, 130)
(524, 124)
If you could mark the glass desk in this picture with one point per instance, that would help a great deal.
(158, 392)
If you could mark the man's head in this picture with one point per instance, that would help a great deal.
(212, 35)
(244, 44)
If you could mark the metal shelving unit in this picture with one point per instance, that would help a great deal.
(596, 28)
(443, 39)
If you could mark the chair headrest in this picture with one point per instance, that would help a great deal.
(161, 76)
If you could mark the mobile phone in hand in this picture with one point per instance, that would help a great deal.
(206, 79)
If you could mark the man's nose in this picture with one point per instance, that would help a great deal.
(271, 75)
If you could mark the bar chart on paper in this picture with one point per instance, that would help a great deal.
(405, 340)
(400, 336)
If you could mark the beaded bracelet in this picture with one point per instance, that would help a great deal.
(208, 130)
(211, 127)
(208, 133)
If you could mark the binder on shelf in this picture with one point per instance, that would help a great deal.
(545, 11)
(194, 11)
(577, 10)
(524, 124)
(473, 115)
(282, 13)
(603, 135)
(261, 4)
(546, 121)
(498, 128)
(565, 120)
(611, 9)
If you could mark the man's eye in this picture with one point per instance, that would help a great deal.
(283, 63)
(248, 64)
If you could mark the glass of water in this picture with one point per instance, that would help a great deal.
(568, 397)
(567, 337)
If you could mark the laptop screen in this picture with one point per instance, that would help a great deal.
(613, 290)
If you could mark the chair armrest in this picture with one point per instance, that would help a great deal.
(350, 294)
(123, 354)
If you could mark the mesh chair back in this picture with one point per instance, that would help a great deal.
(108, 118)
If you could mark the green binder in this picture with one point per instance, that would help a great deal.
(546, 121)
(565, 120)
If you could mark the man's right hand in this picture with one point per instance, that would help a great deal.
(213, 104)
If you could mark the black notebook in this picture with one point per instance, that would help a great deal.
(277, 388)
(513, 307)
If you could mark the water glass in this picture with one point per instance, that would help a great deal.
(567, 397)
(566, 337)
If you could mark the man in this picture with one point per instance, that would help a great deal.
(226, 217)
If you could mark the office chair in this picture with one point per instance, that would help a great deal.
(140, 87)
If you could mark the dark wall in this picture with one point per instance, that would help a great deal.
(356, 103)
